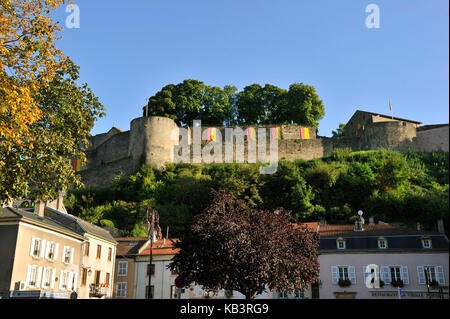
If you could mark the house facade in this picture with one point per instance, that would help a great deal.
(39, 258)
(124, 278)
(409, 263)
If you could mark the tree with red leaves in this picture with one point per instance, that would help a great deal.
(246, 250)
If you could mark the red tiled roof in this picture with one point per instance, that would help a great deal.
(161, 248)
(311, 226)
(124, 247)
(368, 230)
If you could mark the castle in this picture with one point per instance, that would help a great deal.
(150, 140)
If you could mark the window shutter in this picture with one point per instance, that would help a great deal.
(75, 278)
(47, 249)
(61, 279)
(56, 252)
(404, 275)
(421, 274)
(39, 277)
(385, 274)
(42, 248)
(440, 275)
(52, 285)
(334, 274)
(27, 282)
(33, 241)
(63, 253)
(126, 268)
(71, 255)
(70, 282)
(352, 274)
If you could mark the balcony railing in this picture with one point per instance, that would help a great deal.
(98, 290)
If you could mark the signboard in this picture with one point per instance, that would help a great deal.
(179, 282)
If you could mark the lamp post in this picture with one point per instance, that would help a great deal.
(152, 220)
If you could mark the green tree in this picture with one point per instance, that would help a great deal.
(303, 105)
(68, 112)
(339, 133)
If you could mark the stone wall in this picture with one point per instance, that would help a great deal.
(434, 138)
(152, 140)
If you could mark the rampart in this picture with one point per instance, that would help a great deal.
(156, 141)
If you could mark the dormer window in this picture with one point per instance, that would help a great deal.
(340, 243)
(426, 243)
(382, 243)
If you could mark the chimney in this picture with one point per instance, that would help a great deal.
(371, 220)
(39, 208)
(323, 221)
(418, 226)
(60, 202)
(440, 224)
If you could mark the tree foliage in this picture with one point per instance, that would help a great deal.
(246, 250)
(43, 167)
(390, 186)
(193, 100)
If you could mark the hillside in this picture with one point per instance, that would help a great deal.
(391, 186)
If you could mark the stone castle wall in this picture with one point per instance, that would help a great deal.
(154, 140)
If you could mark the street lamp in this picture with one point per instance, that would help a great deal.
(152, 221)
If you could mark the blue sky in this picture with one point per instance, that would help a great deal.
(129, 50)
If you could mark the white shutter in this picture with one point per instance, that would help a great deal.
(385, 274)
(42, 249)
(71, 255)
(75, 283)
(63, 253)
(352, 274)
(52, 285)
(33, 241)
(440, 275)
(404, 275)
(39, 277)
(55, 257)
(334, 274)
(47, 249)
(70, 281)
(421, 274)
(27, 282)
(61, 280)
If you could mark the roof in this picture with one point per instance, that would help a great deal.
(368, 230)
(17, 213)
(160, 247)
(124, 247)
(398, 238)
(314, 226)
(388, 116)
(431, 127)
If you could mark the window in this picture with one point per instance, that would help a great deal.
(51, 254)
(282, 295)
(84, 277)
(99, 251)
(426, 243)
(343, 273)
(152, 269)
(382, 243)
(152, 290)
(122, 268)
(340, 243)
(430, 274)
(64, 279)
(97, 277)
(35, 247)
(175, 293)
(299, 294)
(228, 293)
(47, 277)
(395, 273)
(86, 249)
(121, 289)
(32, 271)
(109, 254)
(67, 257)
(107, 279)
